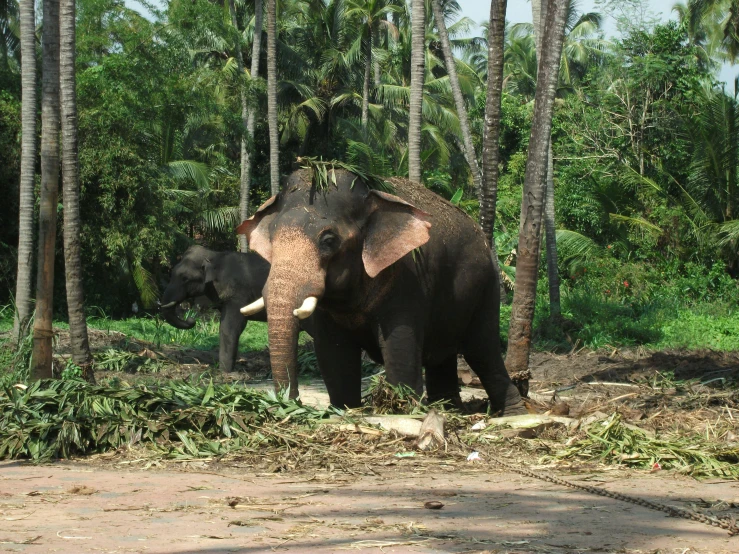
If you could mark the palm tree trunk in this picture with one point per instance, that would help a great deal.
(418, 74)
(550, 230)
(491, 134)
(247, 115)
(451, 68)
(71, 192)
(274, 146)
(366, 86)
(539, 14)
(376, 41)
(529, 240)
(23, 302)
(42, 332)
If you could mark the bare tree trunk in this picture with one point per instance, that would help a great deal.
(23, 302)
(451, 68)
(366, 85)
(529, 241)
(274, 145)
(539, 14)
(555, 305)
(418, 75)
(247, 115)
(42, 331)
(71, 192)
(491, 134)
(375, 62)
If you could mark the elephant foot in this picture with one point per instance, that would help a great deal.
(519, 408)
(513, 404)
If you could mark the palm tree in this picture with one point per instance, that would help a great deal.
(578, 50)
(529, 241)
(42, 332)
(555, 309)
(491, 130)
(23, 301)
(274, 140)
(247, 115)
(469, 149)
(719, 20)
(370, 13)
(71, 191)
(415, 117)
(9, 39)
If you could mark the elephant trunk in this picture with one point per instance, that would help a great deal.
(295, 283)
(171, 317)
(168, 308)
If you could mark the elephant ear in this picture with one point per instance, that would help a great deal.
(393, 229)
(256, 229)
(208, 271)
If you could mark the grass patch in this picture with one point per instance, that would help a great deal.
(204, 336)
(707, 327)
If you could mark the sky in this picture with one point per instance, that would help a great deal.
(519, 11)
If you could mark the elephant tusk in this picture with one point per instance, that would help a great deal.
(308, 307)
(167, 305)
(254, 307)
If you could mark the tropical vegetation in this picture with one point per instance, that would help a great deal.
(171, 106)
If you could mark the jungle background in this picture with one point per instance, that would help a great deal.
(645, 138)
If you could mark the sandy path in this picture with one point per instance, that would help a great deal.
(75, 507)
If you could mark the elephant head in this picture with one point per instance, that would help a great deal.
(188, 279)
(324, 245)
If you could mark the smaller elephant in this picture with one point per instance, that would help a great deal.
(229, 280)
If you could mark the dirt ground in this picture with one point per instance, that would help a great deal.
(79, 507)
(121, 503)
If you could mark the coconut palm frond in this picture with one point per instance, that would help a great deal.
(223, 219)
(197, 172)
(145, 283)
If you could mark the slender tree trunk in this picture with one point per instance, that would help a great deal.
(366, 86)
(375, 62)
(418, 74)
(451, 68)
(42, 331)
(539, 14)
(274, 145)
(550, 230)
(247, 115)
(71, 192)
(491, 131)
(529, 241)
(23, 302)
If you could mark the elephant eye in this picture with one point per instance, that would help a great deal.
(328, 241)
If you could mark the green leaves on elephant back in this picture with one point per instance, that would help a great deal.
(324, 174)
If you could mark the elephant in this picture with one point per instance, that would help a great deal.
(407, 277)
(228, 280)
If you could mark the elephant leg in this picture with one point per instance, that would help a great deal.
(232, 325)
(482, 351)
(340, 361)
(401, 342)
(442, 382)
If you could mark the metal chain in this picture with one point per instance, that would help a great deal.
(729, 524)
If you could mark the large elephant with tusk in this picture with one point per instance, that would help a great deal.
(405, 276)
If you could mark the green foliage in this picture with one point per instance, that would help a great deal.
(9, 178)
(385, 398)
(613, 441)
(324, 173)
(59, 419)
